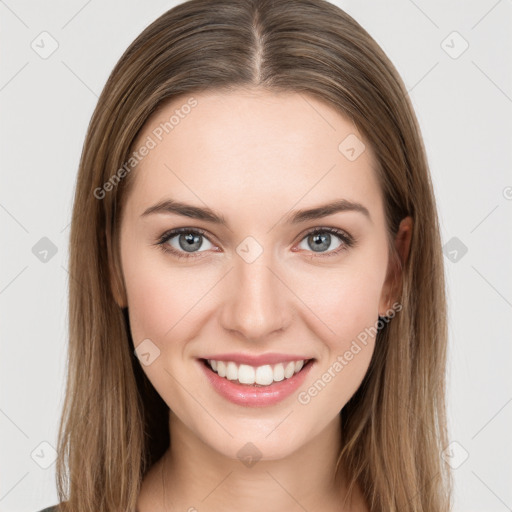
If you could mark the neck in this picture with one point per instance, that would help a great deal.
(193, 476)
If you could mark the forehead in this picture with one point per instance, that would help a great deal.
(251, 149)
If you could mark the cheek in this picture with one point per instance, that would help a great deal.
(350, 310)
(344, 300)
(344, 306)
(159, 300)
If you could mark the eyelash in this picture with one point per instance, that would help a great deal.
(348, 240)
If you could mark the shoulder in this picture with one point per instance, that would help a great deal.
(53, 508)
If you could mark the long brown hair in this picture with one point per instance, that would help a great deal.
(114, 425)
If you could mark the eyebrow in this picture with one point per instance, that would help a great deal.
(170, 206)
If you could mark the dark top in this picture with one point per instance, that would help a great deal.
(50, 509)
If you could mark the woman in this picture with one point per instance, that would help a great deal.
(257, 305)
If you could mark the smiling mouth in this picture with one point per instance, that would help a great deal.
(261, 376)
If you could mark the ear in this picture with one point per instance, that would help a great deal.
(393, 281)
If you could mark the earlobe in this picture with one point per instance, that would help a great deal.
(393, 281)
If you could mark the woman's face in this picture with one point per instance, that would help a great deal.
(257, 283)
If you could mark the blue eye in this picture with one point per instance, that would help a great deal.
(190, 240)
(321, 238)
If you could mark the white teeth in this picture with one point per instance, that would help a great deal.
(246, 374)
(264, 375)
(221, 369)
(278, 372)
(289, 370)
(231, 371)
(261, 375)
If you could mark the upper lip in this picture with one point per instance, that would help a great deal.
(259, 360)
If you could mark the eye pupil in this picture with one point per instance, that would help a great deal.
(193, 242)
(321, 241)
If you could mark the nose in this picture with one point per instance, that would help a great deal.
(257, 301)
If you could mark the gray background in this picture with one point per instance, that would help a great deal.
(464, 105)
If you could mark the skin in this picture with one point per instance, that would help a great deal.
(254, 157)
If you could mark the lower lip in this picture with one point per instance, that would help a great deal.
(252, 396)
